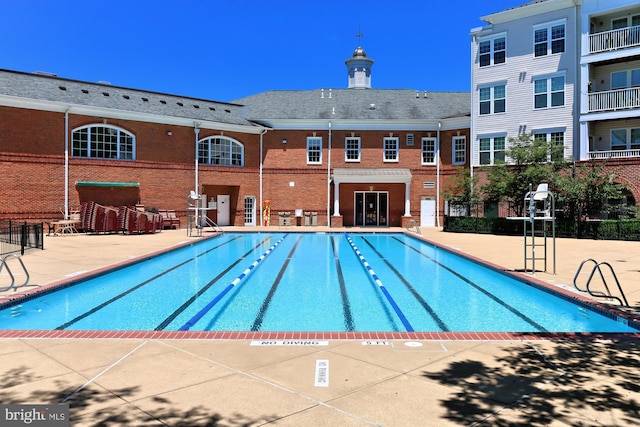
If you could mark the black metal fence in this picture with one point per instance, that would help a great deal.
(472, 219)
(20, 237)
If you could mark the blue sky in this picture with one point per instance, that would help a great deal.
(225, 50)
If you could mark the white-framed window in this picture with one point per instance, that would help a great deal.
(625, 139)
(625, 21)
(459, 150)
(103, 142)
(554, 137)
(429, 150)
(352, 149)
(549, 39)
(314, 150)
(548, 92)
(492, 99)
(492, 149)
(492, 51)
(220, 151)
(390, 149)
(625, 79)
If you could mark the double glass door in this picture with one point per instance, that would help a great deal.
(371, 208)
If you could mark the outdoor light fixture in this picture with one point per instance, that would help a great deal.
(169, 133)
(284, 141)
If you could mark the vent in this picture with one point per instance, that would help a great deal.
(126, 96)
(180, 104)
(409, 139)
(85, 91)
(145, 99)
(428, 184)
(62, 88)
(163, 102)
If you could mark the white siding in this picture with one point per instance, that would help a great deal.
(519, 71)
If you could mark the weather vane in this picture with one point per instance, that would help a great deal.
(359, 35)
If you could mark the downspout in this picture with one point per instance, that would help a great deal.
(66, 163)
(196, 129)
(329, 178)
(472, 130)
(438, 178)
(260, 206)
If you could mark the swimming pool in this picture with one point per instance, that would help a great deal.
(306, 282)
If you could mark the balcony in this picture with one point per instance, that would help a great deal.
(614, 154)
(613, 100)
(614, 39)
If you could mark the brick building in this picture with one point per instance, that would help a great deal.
(356, 156)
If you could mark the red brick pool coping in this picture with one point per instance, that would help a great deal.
(604, 309)
(317, 336)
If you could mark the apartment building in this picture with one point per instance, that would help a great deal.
(609, 107)
(566, 71)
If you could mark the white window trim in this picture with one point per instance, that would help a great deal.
(547, 133)
(435, 150)
(548, 78)
(453, 150)
(357, 138)
(492, 148)
(314, 138)
(491, 39)
(231, 141)
(492, 98)
(628, 141)
(548, 26)
(384, 149)
(89, 142)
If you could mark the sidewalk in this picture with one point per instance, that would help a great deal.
(392, 383)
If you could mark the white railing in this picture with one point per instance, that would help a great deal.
(617, 99)
(614, 39)
(614, 154)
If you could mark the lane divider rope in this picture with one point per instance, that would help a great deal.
(237, 280)
(378, 282)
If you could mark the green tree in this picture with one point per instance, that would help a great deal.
(587, 190)
(461, 187)
(531, 161)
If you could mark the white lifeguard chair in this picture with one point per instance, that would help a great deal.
(541, 207)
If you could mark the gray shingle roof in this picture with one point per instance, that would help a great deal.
(355, 104)
(55, 89)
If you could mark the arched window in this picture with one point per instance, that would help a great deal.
(220, 150)
(103, 142)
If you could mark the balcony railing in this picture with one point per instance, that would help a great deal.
(614, 154)
(612, 100)
(614, 39)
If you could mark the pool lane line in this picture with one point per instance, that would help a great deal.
(378, 282)
(202, 290)
(481, 290)
(138, 286)
(237, 280)
(443, 327)
(346, 305)
(267, 301)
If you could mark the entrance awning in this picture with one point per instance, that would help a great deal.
(372, 175)
(106, 184)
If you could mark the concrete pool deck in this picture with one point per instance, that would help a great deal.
(389, 383)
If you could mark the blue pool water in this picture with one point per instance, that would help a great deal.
(307, 282)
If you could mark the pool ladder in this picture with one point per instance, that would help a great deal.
(599, 294)
(412, 225)
(4, 264)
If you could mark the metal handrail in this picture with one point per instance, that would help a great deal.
(4, 264)
(599, 294)
(413, 223)
(212, 224)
